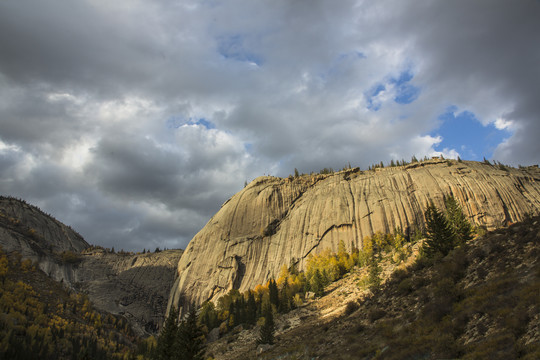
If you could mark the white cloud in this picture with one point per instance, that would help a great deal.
(100, 102)
(503, 124)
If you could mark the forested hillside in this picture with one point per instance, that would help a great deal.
(40, 319)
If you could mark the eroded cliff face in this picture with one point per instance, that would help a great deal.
(134, 285)
(275, 221)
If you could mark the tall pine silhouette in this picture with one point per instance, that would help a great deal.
(268, 328)
(166, 348)
(459, 223)
(440, 234)
(190, 337)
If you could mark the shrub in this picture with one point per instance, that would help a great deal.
(405, 286)
(70, 257)
(351, 307)
(375, 314)
(420, 263)
(399, 275)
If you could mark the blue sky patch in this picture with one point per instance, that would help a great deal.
(463, 132)
(373, 92)
(174, 122)
(233, 48)
(207, 124)
(406, 93)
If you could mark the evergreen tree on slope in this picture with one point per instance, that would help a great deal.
(461, 226)
(190, 337)
(440, 234)
(166, 347)
(268, 328)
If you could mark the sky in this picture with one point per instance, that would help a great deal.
(133, 121)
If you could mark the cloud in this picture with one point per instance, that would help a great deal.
(134, 121)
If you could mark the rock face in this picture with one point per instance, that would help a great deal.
(134, 285)
(37, 236)
(275, 221)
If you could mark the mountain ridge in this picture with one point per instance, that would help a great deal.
(135, 286)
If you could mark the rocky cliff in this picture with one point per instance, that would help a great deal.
(275, 221)
(134, 285)
(38, 236)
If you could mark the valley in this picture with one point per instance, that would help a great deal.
(479, 299)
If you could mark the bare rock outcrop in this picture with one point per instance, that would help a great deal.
(275, 221)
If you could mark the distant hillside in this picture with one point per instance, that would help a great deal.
(275, 221)
(135, 286)
(481, 301)
(37, 236)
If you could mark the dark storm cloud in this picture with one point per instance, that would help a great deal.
(133, 121)
(74, 45)
(133, 168)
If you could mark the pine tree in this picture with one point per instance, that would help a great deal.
(240, 310)
(4, 266)
(166, 347)
(374, 279)
(251, 309)
(440, 235)
(190, 337)
(208, 315)
(284, 298)
(317, 283)
(266, 335)
(461, 226)
(273, 293)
